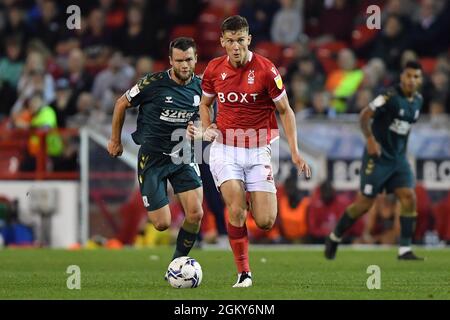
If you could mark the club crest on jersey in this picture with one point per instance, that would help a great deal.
(251, 77)
(223, 75)
(401, 113)
(168, 100)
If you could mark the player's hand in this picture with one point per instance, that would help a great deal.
(192, 132)
(211, 133)
(373, 148)
(115, 148)
(301, 165)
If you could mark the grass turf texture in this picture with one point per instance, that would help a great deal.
(284, 273)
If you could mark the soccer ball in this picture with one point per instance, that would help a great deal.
(184, 272)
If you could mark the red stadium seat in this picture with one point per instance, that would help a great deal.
(362, 35)
(200, 67)
(428, 64)
(271, 51)
(160, 65)
(183, 31)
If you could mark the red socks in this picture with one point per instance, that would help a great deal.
(239, 244)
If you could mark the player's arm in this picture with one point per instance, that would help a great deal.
(287, 117)
(365, 120)
(209, 129)
(115, 147)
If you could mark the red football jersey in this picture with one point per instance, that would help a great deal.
(245, 98)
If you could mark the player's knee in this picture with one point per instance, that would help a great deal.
(161, 225)
(408, 199)
(265, 223)
(236, 210)
(194, 216)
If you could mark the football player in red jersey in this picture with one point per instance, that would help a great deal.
(248, 89)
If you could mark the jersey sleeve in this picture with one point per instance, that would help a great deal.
(381, 102)
(274, 82)
(134, 95)
(207, 83)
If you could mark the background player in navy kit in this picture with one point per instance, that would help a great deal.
(167, 101)
(385, 164)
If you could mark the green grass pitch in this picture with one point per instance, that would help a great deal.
(294, 273)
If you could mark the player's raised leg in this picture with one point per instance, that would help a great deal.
(192, 204)
(408, 216)
(233, 193)
(264, 208)
(351, 214)
(160, 218)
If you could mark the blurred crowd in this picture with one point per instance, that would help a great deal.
(331, 62)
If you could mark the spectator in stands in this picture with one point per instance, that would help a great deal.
(320, 106)
(15, 25)
(96, 40)
(299, 95)
(343, 82)
(404, 9)
(63, 94)
(48, 27)
(336, 20)
(131, 39)
(361, 100)
(443, 63)
(324, 212)
(42, 117)
(117, 73)
(79, 80)
(34, 79)
(114, 13)
(438, 117)
(408, 55)
(143, 66)
(375, 77)
(390, 43)
(287, 24)
(293, 209)
(88, 112)
(309, 70)
(429, 34)
(383, 222)
(441, 85)
(259, 15)
(10, 70)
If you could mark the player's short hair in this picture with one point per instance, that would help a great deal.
(412, 65)
(235, 23)
(182, 43)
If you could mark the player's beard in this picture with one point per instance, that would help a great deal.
(183, 76)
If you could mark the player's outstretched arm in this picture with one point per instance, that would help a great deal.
(287, 117)
(209, 129)
(365, 118)
(115, 147)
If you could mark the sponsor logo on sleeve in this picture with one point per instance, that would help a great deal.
(134, 91)
(278, 82)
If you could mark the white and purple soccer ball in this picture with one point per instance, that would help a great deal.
(184, 272)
